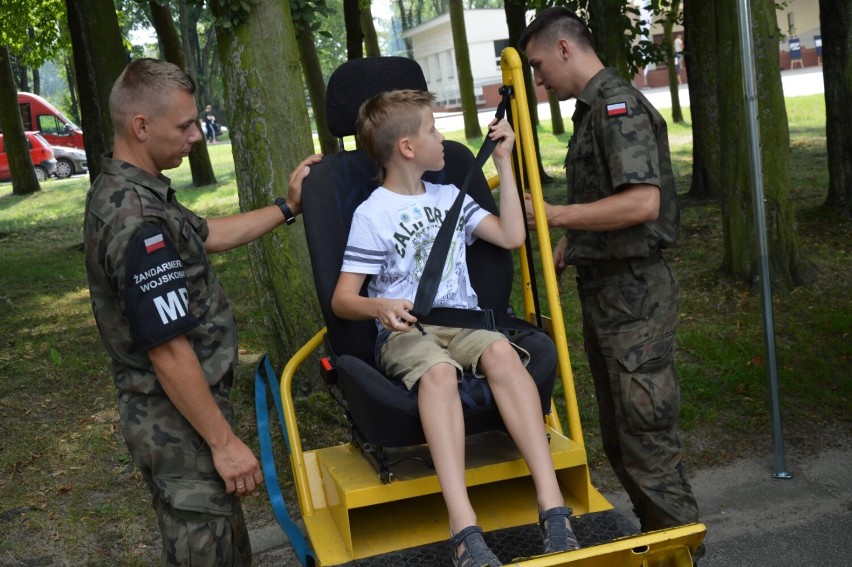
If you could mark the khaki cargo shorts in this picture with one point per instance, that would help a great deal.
(408, 356)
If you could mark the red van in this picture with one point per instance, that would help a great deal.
(41, 116)
(40, 152)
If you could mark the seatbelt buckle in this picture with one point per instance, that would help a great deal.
(328, 371)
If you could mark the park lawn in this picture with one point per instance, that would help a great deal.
(70, 495)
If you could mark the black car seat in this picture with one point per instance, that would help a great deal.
(382, 412)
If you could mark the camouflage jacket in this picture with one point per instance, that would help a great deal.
(138, 305)
(619, 139)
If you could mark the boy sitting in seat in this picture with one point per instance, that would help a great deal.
(391, 236)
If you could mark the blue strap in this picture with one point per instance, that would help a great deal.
(270, 474)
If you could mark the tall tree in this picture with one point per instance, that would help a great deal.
(720, 39)
(835, 18)
(307, 20)
(704, 68)
(24, 180)
(368, 28)
(670, 10)
(270, 134)
(28, 33)
(465, 75)
(173, 52)
(516, 21)
(354, 32)
(608, 20)
(99, 58)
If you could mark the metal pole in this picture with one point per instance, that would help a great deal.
(779, 469)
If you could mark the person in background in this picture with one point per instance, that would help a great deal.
(165, 320)
(678, 55)
(211, 126)
(622, 212)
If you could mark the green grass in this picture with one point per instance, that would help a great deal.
(68, 490)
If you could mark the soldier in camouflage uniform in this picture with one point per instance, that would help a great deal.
(622, 210)
(165, 320)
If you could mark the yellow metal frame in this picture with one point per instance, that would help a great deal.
(349, 513)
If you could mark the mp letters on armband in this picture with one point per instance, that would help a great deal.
(156, 296)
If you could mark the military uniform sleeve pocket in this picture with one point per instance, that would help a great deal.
(650, 395)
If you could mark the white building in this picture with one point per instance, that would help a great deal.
(432, 45)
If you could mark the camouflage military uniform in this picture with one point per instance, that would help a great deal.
(150, 280)
(629, 297)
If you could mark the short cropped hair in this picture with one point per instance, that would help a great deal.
(388, 117)
(141, 86)
(551, 24)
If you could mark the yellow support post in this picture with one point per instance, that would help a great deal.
(510, 63)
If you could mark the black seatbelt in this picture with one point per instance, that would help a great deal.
(431, 276)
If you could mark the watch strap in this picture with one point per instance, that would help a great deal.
(289, 217)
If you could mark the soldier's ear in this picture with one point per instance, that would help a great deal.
(139, 127)
(564, 47)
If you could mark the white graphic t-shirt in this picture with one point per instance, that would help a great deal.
(392, 235)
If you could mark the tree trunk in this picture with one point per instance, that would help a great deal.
(354, 33)
(465, 75)
(836, 28)
(316, 89)
(516, 21)
(704, 60)
(99, 58)
(558, 124)
(270, 134)
(740, 244)
(71, 79)
(173, 51)
(605, 17)
(368, 28)
(19, 70)
(674, 79)
(24, 181)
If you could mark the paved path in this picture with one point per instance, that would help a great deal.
(755, 520)
(796, 82)
(752, 519)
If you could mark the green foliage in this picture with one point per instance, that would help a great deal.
(308, 16)
(235, 12)
(18, 20)
(330, 42)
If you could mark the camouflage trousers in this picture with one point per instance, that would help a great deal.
(200, 524)
(629, 322)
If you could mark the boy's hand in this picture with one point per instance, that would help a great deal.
(502, 133)
(394, 314)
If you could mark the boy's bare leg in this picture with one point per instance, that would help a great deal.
(443, 424)
(518, 401)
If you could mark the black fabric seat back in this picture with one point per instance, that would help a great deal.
(342, 181)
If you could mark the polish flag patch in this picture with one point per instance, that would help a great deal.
(616, 109)
(154, 243)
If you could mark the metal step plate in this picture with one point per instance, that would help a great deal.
(511, 543)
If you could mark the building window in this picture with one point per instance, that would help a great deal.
(499, 46)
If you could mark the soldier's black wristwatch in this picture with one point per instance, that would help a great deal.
(289, 217)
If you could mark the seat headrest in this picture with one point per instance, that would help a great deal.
(358, 80)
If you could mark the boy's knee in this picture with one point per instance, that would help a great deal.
(442, 376)
(498, 355)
